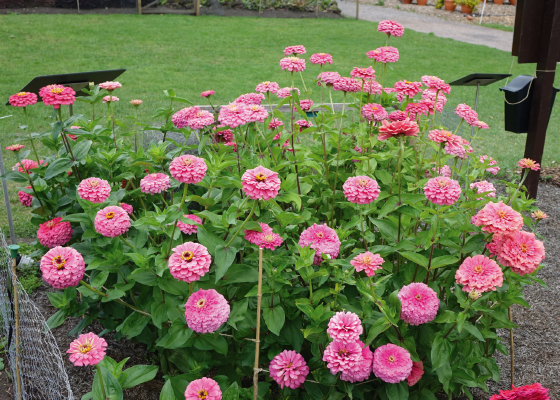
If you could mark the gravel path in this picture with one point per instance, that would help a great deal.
(473, 34)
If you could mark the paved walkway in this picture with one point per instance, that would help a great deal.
(473, 34)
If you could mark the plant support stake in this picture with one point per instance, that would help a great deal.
(258, 337)
(13, 250)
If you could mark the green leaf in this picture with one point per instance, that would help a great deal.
(238, 312)
(56, 319)
(289, 197)
(397, 391)
(446, 317)
(415, 258)
(444, 374)
(387, 228)
(224, 257)
(167, 392)
(274, 318)
(138, 374)
(16, 176)
(57, 167)
(179, 333)
(133, 325)
(215, 342)
(380, 326)
(443, 261)
(80, 217)
(440, 351)
(209, 240)
(473, 330)
(113, 389)
(232, 393)
(239, 273)
(81, 150)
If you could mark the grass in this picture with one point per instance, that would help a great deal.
(232, 55)
(499, 26)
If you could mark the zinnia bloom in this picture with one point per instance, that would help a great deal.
(94, 189)
(299, 49)
(224, 135)
(286, 92)
(416, 373)
(467, 113)
(391, 363)
(187, 227)
(54, 232)
(373, 87)
(520, 251)
(275, 123)
(288, 369)
(267, 87)
(207, 93)
(481, 125)
(189, 262)
(269, 240)
(415, 110)
(419, 303)
(362, 370)
(390, 28)
(127, 207)
(136, 102)
(398, 128)
(538, 215)
(384, 54)
(200, 120)
(397, 116)
(528, 392)
(443, 191)
(88, 349)
(253, 236)
(255, 113)
(15, 147)
(203, 389)
(345, 327)
(498, 218)
(321, 59)
(483, 187)
(367, 261)
(342, 357)
(347, 85)
(443, 171)
(206, 311)
(181, 118)
(433, 82)
(479, 273)
(361, 189)
(260, 183)
(363, 73)
(527, 163)
(62, 267)
(23, 99)
(155, 183)
(57, 95)
(25, 165)
(110, 86)
(25, 199)
(303, 124)
(443, 136)
(188, 168)
(292, 64)
(328, 78)
(112, 221)
(322, 239)
(250, 99)
(429, 98)
(492, 170)
(109, 99)
(408, 88)
(374, 112)
(305, 105)
(232, 115)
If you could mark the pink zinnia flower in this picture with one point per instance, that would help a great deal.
(203, 389)
(188, 168)
(492, 170)
(224, 135)
(397, 116)
(250, 99)
(479, 273)
(303, 124)
(321, 59)
(305, 105)
(267, 87)
(111, 221)
(467, 113)
(94, 189)
(419, 303)
(127, 207)
(23, 99)
(206, 311)
(187, 227)
(57, 95)
(538, 215)
(374, 112)
(54, 233)
(390, 28)
(399, 95)
(520, 251)
(492, 246)
(269, 240)
(288, 369)
(181, 118)
(253, 236)
(322, 239)
(108, 99)
(286, 92)
(25, 166)
(384, 54)
(415, 110)
(416, 373)
(363, 73)
(136, 102)
(528, 392)
(347, 85)
(408, 88)
(292, 64)
(232, 144)
(232, 115)
(207, 93)
(361, 189)
(62, 267)
(498, 218)
(328, 78)
(299, 49)
(345, 327)
(155, 183)
(429, 98)
(433, 82)
(443, 191)
(481, 125)
(391, 363)
(443, 171)
(362, 370)
(275, 123)
(367, 261)
(25, 199)
(372, 87)
(260, 183)
(15, 147)
(527, 163)
(342, 357)
(255, 113)
(189, 262)
(88, 349)
(398, 128)
(482, 187)
(110, 86)
(200, 120)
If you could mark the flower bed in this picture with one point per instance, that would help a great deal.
(322, 254)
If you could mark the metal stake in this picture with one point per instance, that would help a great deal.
(258, 337)
(14, 250)
(511, 347)
(7, 201)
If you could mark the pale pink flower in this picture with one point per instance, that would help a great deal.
(135, 103)
(267, 87)
(232, 115)
(415, 110)
(88, 349)
(429, 98)
(207, 93)
(127, 207)
(538, 215)
(224, 135)
(57, 95)
(390, 28)
(23, 99)
(109, 99)
(250, 99)
(416, 373)
(467, 113)
(363, 73)
(528, 392)
(187, 227)
(54, 232)
(342, 357)
(367, 262)
(189, 262)
(204, 388)
(443, 171)
(188, 168)
(255, 113)
(95, 190)
(322, 239)
(391, 363)
(260, 183)
(419, 303)
(362, 370)
(347, 85)
(206, 311)
(479, 273)
(26, 165)
(374, 112)
(492, 246)
(498, 218)
(15, 148)
(110, 86)
(269, 240)
(275, 123)
(443, 191)
(408, 88)
(321, 59)
(481, 125)
(458, 148)
(303, 124)
(305, 105)
(361, 189)
(288, 369)
(112, 221)
(292, 64)
(443, 136)
(286, 92)
(345, 327)
(520, 251)
(254, 236)
(200, 120)
(397, 116)
(328, 78)
(299, 49)
(483, 187)
(155, 183)
(181, 118)
(62, 267)
(25, 199)
(398, 128)
(372, 87)
(527, 163)
(438, 84)
(492, 170)
(384, 54)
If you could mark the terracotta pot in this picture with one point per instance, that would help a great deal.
(466, 9)
(512, 2)
(422, 2)
(498, 1)
(407, 1)
(450, 5)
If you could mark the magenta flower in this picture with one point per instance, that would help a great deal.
(292, 64)
(110, 86)
(207, 93)
(443, 191)
(299, 49)
(416, 373)
(303, 124)
(528, 392)
(467, 113)
(187, 227)
(95, 190)
(362, 370)
(345, 327)
(498, 218)
(390, 28)
(25, 199)
(232, 115)
(288, 369)
(527, 163)
(419, 303)
(206, 311)
(254, 236)
(363, 73)
(435, 83)
(520, 251)
(54, 233)
(347, 85)
(62, 267)
(374, 112)
(492, 170)
(342, 357)
(391, 363)
(398, 128)
(384, 54)
(224, 135)
(189, 262)
(408, 88)
(127, 207)
(111, 221)
(479, 273)
(328, 78)
(305, 105)
(203, 389)
(260, 183)
(361, 189)
(181, 118)
(88, 349)
(321, 59)
(27, 165)
(231, 144)
(23, 99)
(322, 239)
(188, 168)
(250, 99)
(483, 187)
(255, 113)
(57, 95)
(367, 262)
(267, 87)
(155, 183)
(397, 116)
(286, 92)
(275, 123)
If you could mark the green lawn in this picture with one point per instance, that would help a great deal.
(230, 56)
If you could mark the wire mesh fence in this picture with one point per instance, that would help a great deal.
(33, 356)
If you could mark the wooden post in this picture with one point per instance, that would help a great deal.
(197, 5)
(357, 10)
(511, 354)
(13, 250)
(139, 2)
(258, 337)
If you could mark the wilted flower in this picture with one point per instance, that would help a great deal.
(538, 215)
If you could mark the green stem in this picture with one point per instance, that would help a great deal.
(362, 223)
(380, 306)
(435, 108)
(29, 133)
(311, 292)
(525, 173)
(135, 129)
(116, 300)
(242, 225)
(175, 224)
(126, 242)
(113, 119)
(267, 144)
(101, 381)
(338, 158)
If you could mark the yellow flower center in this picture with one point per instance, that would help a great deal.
(502, 214)
(94, 183)
(367, 259)
(202, 394)
(373, 108)
(524, 248)
(342, 352)
(293, 59)
(267, 83)
(362, 182)
(22, 94)
(255, 107)
(188, 161)
(201, 303)
(268, 238)
(408, 82)
(392, 359)
(322, 54)
(110, 215)
(57, 90)
(84, 348)
(320, 235)
(260, 177)
(442, 183)
(376, 51)
(51, 224)
(418, 296)
(478, 269)
(59, 262)
(187, 255)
